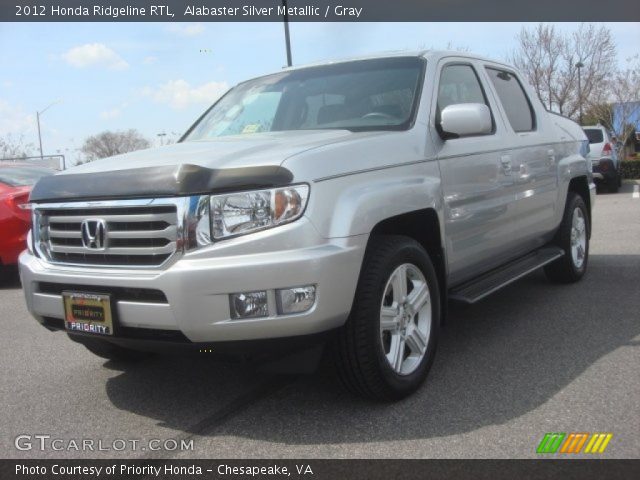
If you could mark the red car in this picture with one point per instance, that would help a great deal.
(16, 181)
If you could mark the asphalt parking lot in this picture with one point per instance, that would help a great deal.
(534, 358)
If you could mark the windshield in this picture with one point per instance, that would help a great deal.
(378, 94)
(21, 176)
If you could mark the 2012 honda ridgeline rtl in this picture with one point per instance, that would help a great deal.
(339, 205)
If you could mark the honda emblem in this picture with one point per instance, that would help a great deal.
(94, 234)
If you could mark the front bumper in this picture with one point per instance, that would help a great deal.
(192, 295)
(607, 177)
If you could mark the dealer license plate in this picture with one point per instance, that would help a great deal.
(88, 313)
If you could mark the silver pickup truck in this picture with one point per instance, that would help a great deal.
(334, 209)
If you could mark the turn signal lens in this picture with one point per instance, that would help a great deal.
(288, 203)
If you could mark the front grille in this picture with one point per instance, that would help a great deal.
(131, 235)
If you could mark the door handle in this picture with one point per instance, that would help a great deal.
(551, 155)
(505, 161)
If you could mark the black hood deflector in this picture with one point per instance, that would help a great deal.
(152, 182)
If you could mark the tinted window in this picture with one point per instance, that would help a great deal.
(364, 95)
(594, 135)
(514, 100)
(20, 176)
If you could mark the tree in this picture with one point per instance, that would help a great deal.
(107, 144)
(549, 60)
(599, 113)
(618, 108)
(537, 57)
(11, 147)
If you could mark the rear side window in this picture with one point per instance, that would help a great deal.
(594, 135)
(514, 100)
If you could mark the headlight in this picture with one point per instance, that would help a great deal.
(247, 212)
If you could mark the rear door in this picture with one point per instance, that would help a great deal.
(477, 181)
(533, 158)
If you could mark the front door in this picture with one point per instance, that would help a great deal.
(477, 179)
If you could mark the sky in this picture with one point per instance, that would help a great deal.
(159, 77)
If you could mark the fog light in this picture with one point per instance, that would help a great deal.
(249, 305)
(296, 299)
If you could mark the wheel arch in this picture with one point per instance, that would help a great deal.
(580, 186)
(423, 226)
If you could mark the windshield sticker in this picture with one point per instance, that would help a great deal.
(251, 128)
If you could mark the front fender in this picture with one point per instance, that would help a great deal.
(354, 204)
(570, 167)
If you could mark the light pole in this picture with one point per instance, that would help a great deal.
(163, 134)
(38, 120)
(579, 65)
(286, 32)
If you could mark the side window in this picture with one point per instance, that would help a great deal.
(459, 84)
(514, 100)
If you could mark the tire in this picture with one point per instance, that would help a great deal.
(109, 351)
(365, 347)
(575, 243)
(8, 274)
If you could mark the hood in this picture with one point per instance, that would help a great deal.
(223, 164)
(258, 149)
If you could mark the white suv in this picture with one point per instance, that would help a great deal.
(604, 158)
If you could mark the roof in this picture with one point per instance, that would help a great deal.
(428, 54)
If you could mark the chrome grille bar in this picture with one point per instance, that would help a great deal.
(170, 232)
(64, 233)
(149, 217)
(169, 248)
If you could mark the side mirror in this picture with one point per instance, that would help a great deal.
(465, 119)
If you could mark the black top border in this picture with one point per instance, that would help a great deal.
(318, 11)
(371, 469)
